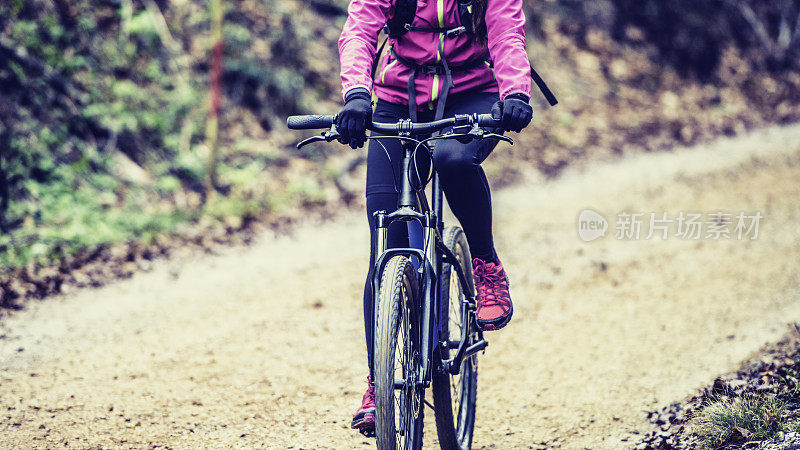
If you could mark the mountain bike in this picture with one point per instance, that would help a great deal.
(426, 332)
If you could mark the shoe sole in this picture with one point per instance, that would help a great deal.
(496, 324)
(365, 423)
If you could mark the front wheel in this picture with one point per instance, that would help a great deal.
(454, 396)
(398, 395)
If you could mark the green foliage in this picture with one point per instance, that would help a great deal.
(189, 167)
(80, 94)
(143, 26)
(237, 38)
(720, 423)
(305, 190)
(65, 218)
(17, 5)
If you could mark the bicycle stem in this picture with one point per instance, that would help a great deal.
(407, 199)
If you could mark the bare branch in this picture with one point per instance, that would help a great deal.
(784, 34)
(755, 23)
(796, 34)
(170, 44)
(161, 26)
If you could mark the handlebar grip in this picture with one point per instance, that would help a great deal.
(309, 122)
(487, 121)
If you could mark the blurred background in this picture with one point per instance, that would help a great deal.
(110, 152)
(135, 129)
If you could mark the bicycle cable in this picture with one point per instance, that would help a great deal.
(429, 176)
(388, 156)
(424, 142)
(420, 144)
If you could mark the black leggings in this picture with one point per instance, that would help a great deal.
(461, 176)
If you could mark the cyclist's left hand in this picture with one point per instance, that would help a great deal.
(514, 111)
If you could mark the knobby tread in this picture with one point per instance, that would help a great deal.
(446, 424)
(388, 304)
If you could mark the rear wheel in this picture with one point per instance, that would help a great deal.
(454, 396)
(398, 396)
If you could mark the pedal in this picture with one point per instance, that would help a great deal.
(476, 347)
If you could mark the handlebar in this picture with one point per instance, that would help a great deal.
(309, 122)
(312, 122)
(465, 126)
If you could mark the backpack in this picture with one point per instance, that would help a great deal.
(405, 10)
(400, 24)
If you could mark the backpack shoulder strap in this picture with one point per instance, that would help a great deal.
(377, 59)
(548, 94)
(465, 14)
(404, 12)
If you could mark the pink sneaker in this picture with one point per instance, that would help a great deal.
(494, 302)
(364, 418)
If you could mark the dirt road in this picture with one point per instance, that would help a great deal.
(262, 346)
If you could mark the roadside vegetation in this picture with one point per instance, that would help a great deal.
(103, 107)
(750, 418)
(754, 407)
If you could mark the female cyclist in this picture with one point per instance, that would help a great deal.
(448, 58)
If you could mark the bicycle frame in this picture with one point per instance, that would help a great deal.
(413, 206)
(431, 327)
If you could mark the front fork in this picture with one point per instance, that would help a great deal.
(427, 263)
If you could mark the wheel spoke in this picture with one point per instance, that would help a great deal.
(455, 318)
(454, 395)
(406, 404)
(461, 385)
(396, 364)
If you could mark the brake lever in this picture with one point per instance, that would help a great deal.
(465, 135)
(328, 136)
(479, 133)
(310, 140)
(499, 137)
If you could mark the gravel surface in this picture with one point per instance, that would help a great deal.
(784, 441)
(262, 346)
(770, 371)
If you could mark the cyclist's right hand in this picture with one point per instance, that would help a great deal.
(514, 112)
(351, 123)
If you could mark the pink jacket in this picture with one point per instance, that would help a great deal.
(505, 23)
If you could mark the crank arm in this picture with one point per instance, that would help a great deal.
(453, 366)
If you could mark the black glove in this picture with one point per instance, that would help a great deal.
(353, 119)
(514, 111)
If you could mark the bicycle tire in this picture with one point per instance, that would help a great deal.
(398, 300)
(455, 422)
